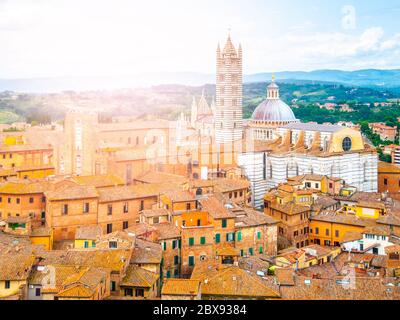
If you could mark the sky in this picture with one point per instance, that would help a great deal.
(51, 38)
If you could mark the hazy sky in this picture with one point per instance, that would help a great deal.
(118, 37)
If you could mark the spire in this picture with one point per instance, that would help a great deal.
(273, 89)
(193, 113)
(229, 47)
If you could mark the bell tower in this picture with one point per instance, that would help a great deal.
(229, 94)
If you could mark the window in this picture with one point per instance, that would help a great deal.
(113, 244)
(317, 185)
(1, 199)
(203, 240)
(191, 261)
(142, 205)
(65, 209)
(346, 144)
(176, 273)
(191, 242)
(259, 235)
(316, 230)
(260, 250)
(188, 206)
(156, 220)
(125, 225)
(235, 194)
(109, 209)
(109, 228)
(230, 237)
(385, 182)
(327, 243)
(126, 207)
(139, 292)
(18, 200)
(174, 244)
(113, 286)
(251, 252)
(327, 232)
(239, 236)
(224, 223)
(336, 233)
(37, 292)
(176, 260)
(86, 207)
(31, 200)
(217, 238)
(7, 284)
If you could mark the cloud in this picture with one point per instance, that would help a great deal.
(310, 50)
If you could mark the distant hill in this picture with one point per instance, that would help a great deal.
(363, 78)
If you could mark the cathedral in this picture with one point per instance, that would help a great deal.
(276, 145)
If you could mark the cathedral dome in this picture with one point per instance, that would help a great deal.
(273, 108)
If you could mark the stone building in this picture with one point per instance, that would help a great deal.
(229, 93)
(309, 148)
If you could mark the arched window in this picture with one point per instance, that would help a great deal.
(292, 169)
(346, 144)
(199, 192)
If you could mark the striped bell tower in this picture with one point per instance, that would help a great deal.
(229, 94)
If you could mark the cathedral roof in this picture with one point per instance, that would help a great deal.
(273, 110)
(229, 47)
(203, 108)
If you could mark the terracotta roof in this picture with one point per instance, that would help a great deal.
(227, 185)
(134, 192)
(351, 236)
(339, 218)
(115, 260)
(167, 231)
(88, 232)
(215, 207)
(389, 220)
(155, 212)
(146, 252)
(290, 208)
(76, 291)
(15, 266)
(248, 217)
(117, 235)
(181, 287)
(392, 248)
(99, 181)
(285, 276)
(377, 230)
(72, 192)
(363, 288)
(141, 229)
(160, 177)
(231, 282)
(384, 167)
(179, 195)
(139, 277)
(23, 187)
